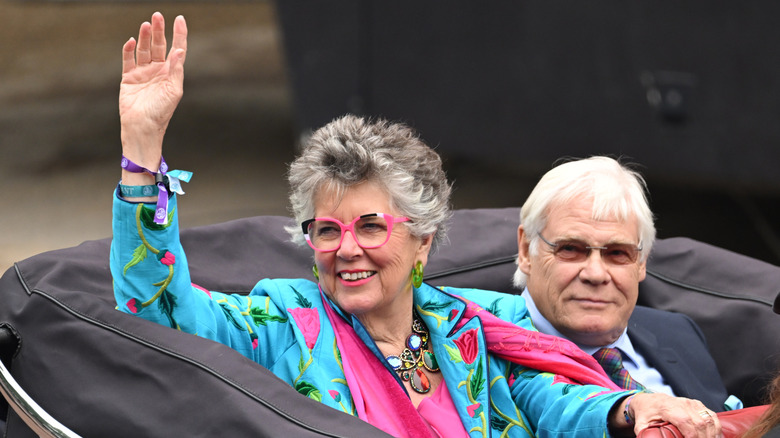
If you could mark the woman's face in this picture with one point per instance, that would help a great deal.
(382, 283)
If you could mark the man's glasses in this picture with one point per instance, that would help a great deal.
(576, 251)
(369, 230)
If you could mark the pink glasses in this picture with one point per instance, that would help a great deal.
(369, 230)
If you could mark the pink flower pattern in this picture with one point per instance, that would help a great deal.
(308, 321)
(132, 305)
(168, 259)
(468, 344)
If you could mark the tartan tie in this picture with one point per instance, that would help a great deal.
(612, 362)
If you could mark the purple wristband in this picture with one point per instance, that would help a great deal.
(161, 211)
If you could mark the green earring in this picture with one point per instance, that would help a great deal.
(417, 274)
(316, 272)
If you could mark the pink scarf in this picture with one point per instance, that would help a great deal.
(536, 350)
(373, 388)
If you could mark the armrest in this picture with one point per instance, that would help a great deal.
(28, 410)
(734, 424)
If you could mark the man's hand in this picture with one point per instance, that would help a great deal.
(691, 417)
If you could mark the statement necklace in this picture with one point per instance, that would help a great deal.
(416, 356)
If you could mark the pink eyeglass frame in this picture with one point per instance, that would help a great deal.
(351, 228)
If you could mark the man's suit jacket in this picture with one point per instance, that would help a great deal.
(674, 345)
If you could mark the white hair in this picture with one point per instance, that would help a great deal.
(617, 191)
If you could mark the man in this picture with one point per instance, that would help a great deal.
(586, 231)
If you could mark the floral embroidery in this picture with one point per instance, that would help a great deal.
(453, 314)
(468, 345)
(139, 254)
(308, 322)
(494, 309)
(500, 423)
(132, 305)
(227, 311)
(433, 309)
(467, 352)
(144, 218)
(308, 390)
(474, 409)
(166, 258)
(503, 422)
(300, 299)
(166, 304)
(340, 381)
(262, 317)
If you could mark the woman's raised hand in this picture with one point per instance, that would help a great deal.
(151, 88)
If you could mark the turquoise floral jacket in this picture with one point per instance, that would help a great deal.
(283, 326)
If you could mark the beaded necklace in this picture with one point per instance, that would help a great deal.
(415, 357)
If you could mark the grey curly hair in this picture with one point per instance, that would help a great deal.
(351, 150)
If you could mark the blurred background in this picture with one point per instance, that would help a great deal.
(690, 91)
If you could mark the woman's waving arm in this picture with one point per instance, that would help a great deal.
(151, 88)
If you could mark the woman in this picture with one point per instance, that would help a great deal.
(368, 338)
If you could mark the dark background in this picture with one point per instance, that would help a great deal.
(688, 90)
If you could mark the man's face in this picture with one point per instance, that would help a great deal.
(588, 301)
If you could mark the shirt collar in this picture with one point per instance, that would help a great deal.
(541, 323)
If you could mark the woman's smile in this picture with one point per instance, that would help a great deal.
(355, 277)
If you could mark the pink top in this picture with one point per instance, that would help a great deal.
(439, 412)
(381, 401)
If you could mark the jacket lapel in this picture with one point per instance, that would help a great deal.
(665, 360)
(461, 355)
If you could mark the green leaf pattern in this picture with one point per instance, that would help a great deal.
(308, 390)
(261, 317)
(477, 382)
(138, 256)
(229, 316)
(167, 302)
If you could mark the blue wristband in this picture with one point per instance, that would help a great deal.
(138, 191)
(626, 415)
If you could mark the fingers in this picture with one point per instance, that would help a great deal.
(180, 37)
(151, 45)
(143, 53)
(700, 422)
(128, 56)
(158, 43)
(710, 425)
(696, 420)
(690, 417)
